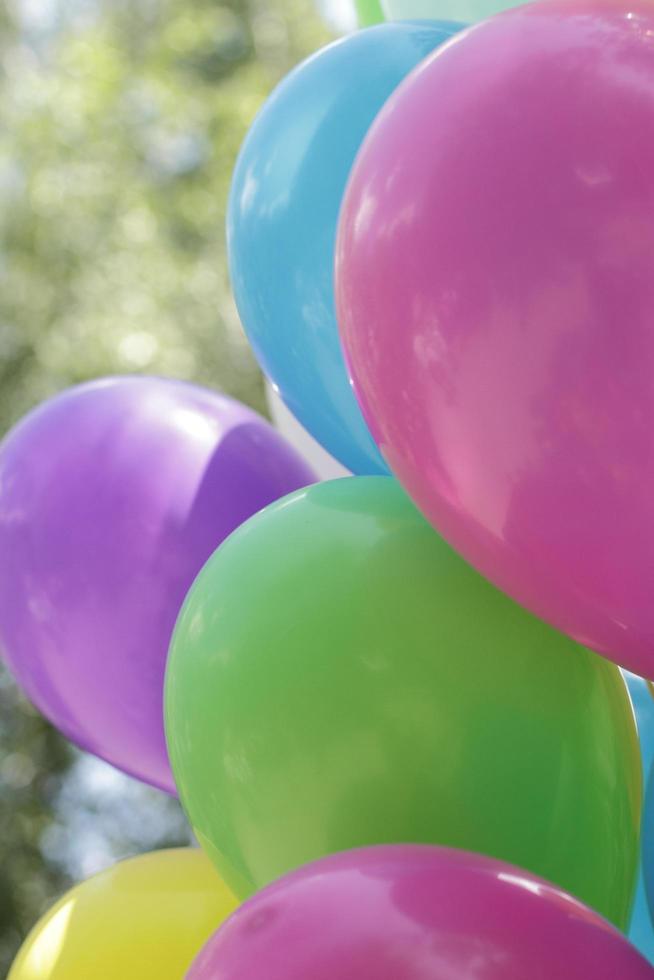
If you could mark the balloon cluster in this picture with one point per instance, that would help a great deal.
(391, 702)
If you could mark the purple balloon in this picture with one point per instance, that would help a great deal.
(410, 912)
(112, 497)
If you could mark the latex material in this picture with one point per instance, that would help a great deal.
(324, 465)
(467, 10)
(339, 669)
(648, 842)
(496, 300)
(112, 496)
(283, 209)
(369, 12)
(641, 932)
(386, 913)
(143, 919)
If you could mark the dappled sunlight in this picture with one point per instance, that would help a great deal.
(121, 124)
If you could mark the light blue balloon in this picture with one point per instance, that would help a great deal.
(641, 932)
(282, 215)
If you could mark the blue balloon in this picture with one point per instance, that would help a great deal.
(641, 932)
(282, 215)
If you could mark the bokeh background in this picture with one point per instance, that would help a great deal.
(120, 121)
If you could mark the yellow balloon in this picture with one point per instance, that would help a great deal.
(143, 919)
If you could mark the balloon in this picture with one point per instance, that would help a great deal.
(112, 497)
(648, 843)
(143, 919)
(467, 10)
(326, 467)
(411, 913)
(283, 208)
(369, 12)
(339, 677)
(496, 303)
(641, 933)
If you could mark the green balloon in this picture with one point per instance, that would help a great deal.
(369, 12)
(339, 677)
(468, 11)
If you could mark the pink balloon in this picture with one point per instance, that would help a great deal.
(410, 912)
(495, 289)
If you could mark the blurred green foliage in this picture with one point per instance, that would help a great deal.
(121, 120)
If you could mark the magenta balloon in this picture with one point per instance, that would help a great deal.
(411, 912)
(112, 497)
(495, 281)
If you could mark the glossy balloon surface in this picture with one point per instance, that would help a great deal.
(339, 677)
(641, 932)
(369, 12)
(286, 192)
(112, 496)
(467, 10)
(496, 301)
(415, 913)
(143, 919)
(324, 465)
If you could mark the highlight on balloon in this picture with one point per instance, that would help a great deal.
(365, 690)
